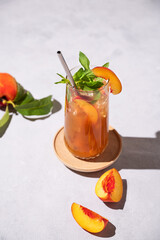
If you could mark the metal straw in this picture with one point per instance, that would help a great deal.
(64, 64)
(69, 75)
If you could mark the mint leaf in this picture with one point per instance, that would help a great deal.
(36, 107)
(84, 77)
(86, 88)
(64, 80)
(96, 97)
(99, 79)
(94, 84)
(84, 60)
(106, 65)
(86, 80)
(68, 94)
(87, 74)
(5, 117)
(78, 74)
(60, 75)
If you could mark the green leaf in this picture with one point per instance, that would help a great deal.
(97, 96)
(28, 98)
(60, 75)
(94, 84)
(36, 107)
(99, 79)
(87, 74)
(86, 88)
(21, 94)
(5, 117)
(84, 77)
(68, 93)
(64, 80)
(84, 60)
(106, 65)
(78, 74)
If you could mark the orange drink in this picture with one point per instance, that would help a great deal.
(86, 126)
(86, 121)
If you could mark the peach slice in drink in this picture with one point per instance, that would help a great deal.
(88, 109)
(106, 73)
(109, 187)
(87, 219)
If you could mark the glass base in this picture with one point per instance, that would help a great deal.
(106, 159)
(87, 158)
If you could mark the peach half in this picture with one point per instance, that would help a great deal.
(8, 86)
(106, 73)
(87, 219)
(88, 109)
(109, 187)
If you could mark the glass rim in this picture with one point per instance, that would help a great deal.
(88, 91)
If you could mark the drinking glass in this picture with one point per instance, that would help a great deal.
(86, 126)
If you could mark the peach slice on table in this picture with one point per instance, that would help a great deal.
(88, 109)
(106, 73)
(109, 187)
(87, 219)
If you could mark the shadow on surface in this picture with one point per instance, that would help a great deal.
(109, 231)
(137, 153)
(56, 107)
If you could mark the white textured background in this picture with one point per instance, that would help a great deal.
(36, 189)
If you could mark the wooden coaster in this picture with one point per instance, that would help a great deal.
(107, 158)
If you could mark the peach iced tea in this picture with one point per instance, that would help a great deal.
(86, 122)
(86, 126)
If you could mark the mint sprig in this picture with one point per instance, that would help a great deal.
(84, 77)
(64, 80)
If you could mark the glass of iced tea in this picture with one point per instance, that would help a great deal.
(86, 125)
